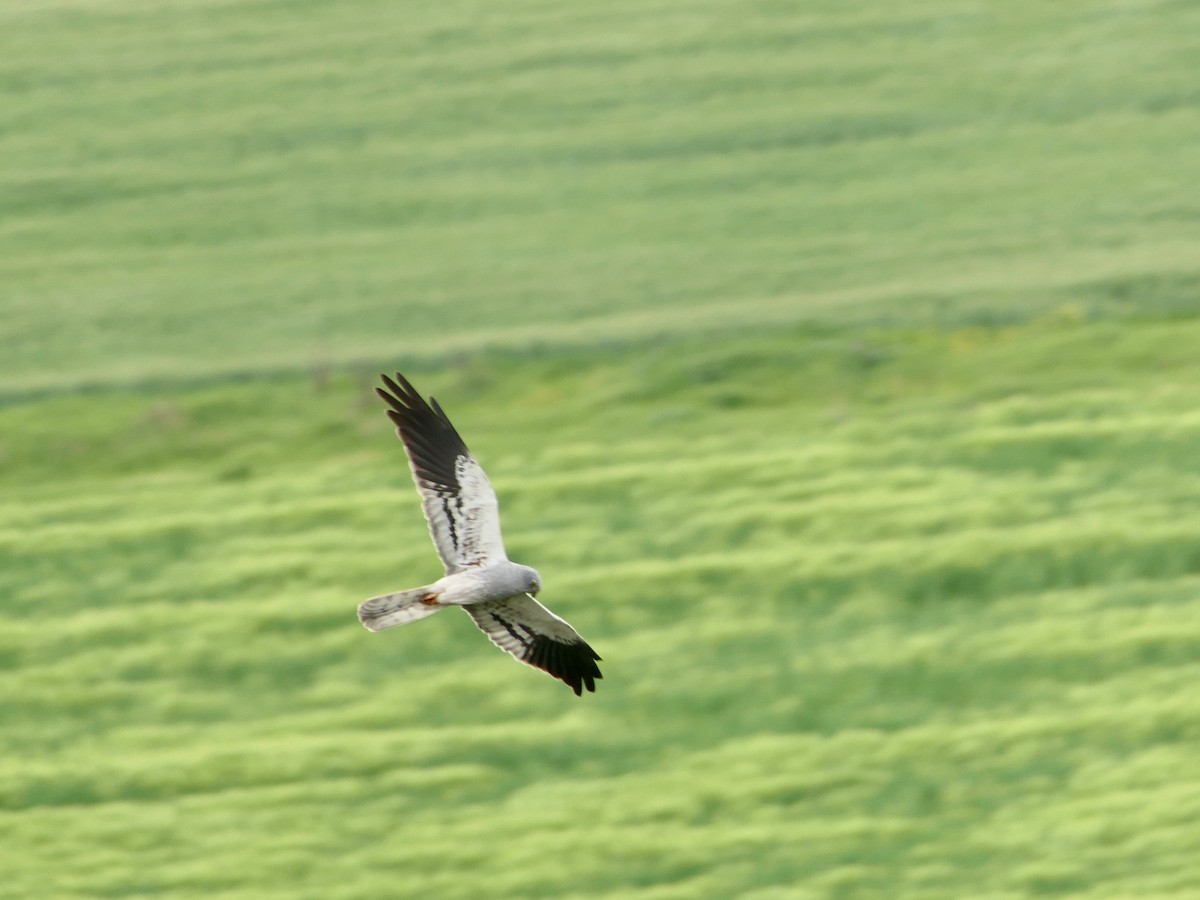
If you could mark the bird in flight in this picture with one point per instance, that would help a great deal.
(464, 521)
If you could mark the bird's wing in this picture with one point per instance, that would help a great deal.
(459, 503)
(534, 635)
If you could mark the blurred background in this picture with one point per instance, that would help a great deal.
(835, 363)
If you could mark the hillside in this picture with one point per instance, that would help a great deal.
(247, 187)
(835, 368)
(874, 619)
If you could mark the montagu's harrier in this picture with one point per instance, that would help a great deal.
(464, 520)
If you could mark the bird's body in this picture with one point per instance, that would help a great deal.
(464, 521)
(484, 584)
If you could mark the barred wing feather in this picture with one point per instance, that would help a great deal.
(534, 635)
(460, 505)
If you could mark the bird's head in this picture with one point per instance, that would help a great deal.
(533, 581)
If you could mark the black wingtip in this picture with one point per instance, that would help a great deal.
(573, 664)
(432, 442)
(399, 396)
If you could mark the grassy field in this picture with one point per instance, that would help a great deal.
(219, 186)
(902, 614)
(836, 367)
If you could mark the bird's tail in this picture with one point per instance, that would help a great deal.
(400, 608)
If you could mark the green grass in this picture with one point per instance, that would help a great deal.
(917, 627)
(244, 186)
(835, 365)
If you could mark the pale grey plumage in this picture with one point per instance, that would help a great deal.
(464, 522)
